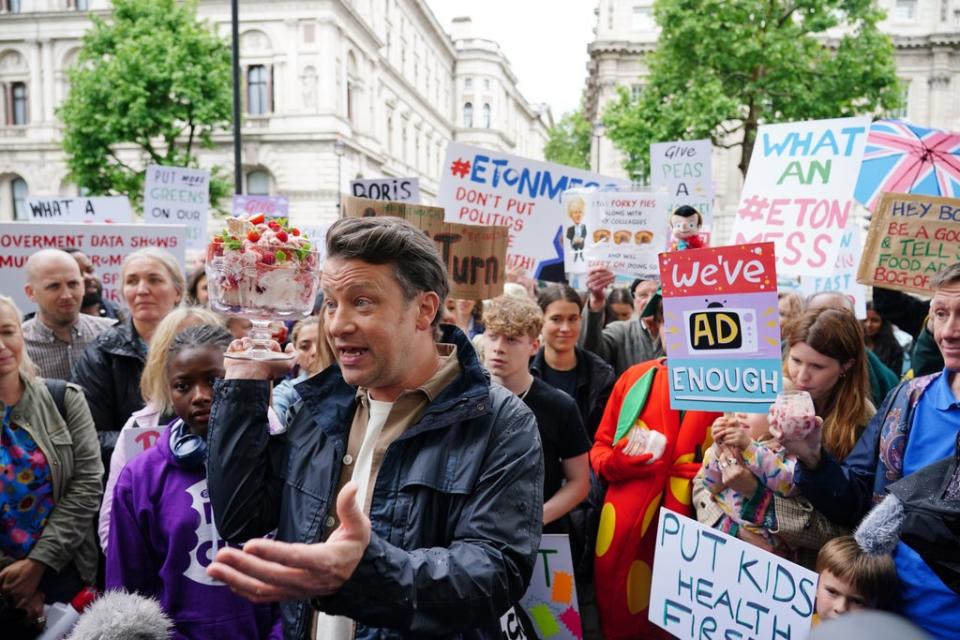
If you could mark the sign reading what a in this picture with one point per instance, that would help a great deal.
(798, 192)
(79, 209)
(910, 239)
(707, 584)
(722, 327)
(176, 195)
(388, 189)
(475, 255)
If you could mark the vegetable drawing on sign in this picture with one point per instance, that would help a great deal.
(721, 327)
(798, 192)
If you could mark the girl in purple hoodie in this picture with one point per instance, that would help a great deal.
(162, 533)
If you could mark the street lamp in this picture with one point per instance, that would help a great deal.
(235, 49)
(339, 148)
(598, 130)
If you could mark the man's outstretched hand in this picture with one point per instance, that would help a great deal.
(271, 571)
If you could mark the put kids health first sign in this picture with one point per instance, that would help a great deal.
(722, 327)
(798, 192)
(707, 584)
(176, 195)
(486, 187)
(683, 170)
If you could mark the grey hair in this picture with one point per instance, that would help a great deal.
(847, 302)
(948, 276)
(164, 258)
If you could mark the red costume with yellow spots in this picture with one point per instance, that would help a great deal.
(637, 487)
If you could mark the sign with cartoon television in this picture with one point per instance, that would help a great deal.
(722, 327)
(624, 232)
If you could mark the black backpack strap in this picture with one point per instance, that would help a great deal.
(58, 389)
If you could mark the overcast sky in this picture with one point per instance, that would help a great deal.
(545, 41)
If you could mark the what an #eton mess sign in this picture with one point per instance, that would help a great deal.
(105, 244)
(910, 239)
(722, 327)
(177, 195)
(844, 277)
(625, 232)
(79, 209)
(683, 170)
(485, 187)
(707, 584)
(798, 192)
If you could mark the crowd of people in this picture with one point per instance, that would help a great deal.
(393, 476)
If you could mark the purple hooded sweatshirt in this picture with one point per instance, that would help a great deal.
(163, 538)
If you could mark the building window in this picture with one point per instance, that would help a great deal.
(636, 90)
(18, 193)
(468, 115)
(258, 183)
(258, 90)
(79, 5)
(486, 84)
(904, 10)
(10, 6)
(904, 100)
(486, 116)
(405, 148)
(468, 83)
(18, 103)
(642, 18)
(390, 135)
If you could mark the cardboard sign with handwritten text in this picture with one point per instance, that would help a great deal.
(475, 255)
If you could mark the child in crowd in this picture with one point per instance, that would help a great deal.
(162, 535)
(852, 579)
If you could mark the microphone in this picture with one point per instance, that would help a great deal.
(118, 615)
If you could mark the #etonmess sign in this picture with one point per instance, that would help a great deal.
(486, 187)
(910, 239)
(625, 232)
(106, 245)
(551, 599)
(269, 206)
(175, 195)
(683, 169)
(389, 189)
(79, 209)
(844, 278)
(722, 327)
(707, 584)
(798, 192)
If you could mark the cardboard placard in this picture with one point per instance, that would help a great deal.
(551, 599)
(707, 584)
(798, 192)
(105, 244)
(387, 189)
(269, 206)
(176, 195)
(475, 255)
(722, 327)
(844, 278)
(910, 239)
(487, 187)
(80, 209)
(683, 170)
(625, 232)
(133, 442)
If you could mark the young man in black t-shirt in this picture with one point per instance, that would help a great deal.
(511, 339)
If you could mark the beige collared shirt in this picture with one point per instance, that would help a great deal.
(54, 357)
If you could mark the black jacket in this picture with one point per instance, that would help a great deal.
(109, 372)
(456, 510)
(595, 380)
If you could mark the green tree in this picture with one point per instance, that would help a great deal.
(152, 78)
(724, 67)
(568, 141)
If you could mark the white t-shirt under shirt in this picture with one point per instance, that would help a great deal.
(340, 627)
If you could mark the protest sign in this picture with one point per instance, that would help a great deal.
(79, 209)
(106, 245)
(515, 625)
(388, 189)
(910, 239)
(486, 187)
(475, 255)
(625, 232)
(175, 195)
(133, 442)
(721, 327)
(682, 168)
(316, 233)
(707, 584)
(551, 599)
(269, 206)
(798, 192)
(844, 278)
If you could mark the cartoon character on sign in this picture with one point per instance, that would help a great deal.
(685, 224)
(577, 232)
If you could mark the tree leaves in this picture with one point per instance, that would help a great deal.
(568, 141)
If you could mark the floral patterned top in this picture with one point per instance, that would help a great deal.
(26, 490)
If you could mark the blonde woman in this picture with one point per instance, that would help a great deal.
(51, 483)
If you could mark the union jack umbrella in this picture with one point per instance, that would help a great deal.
(904, 158)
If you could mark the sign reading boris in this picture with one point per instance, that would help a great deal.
(707, 584)
(625, 232)
(389, 189)
(683, 169)
(269, 206)
(475, 255)
(910, 239)
(486, 187)
(80, 209)
(798, 192)
(722, 327)
(105, 244)
(176, 195)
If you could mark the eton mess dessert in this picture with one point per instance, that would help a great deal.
(261, 268)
